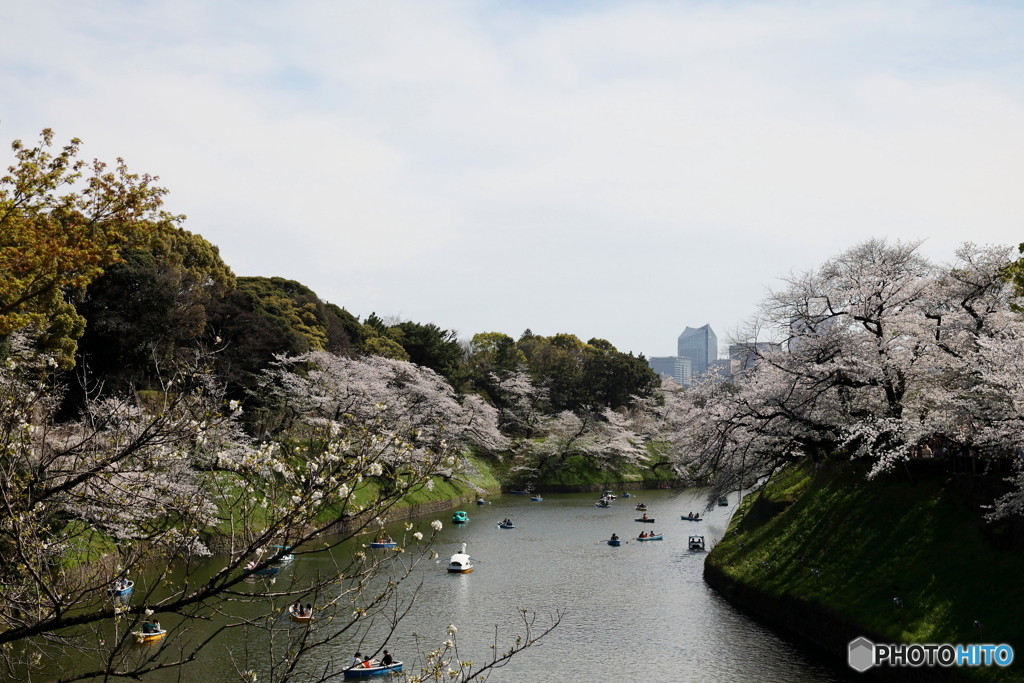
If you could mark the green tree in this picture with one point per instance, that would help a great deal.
(62, 222)
(144, 311)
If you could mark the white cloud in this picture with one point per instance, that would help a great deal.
(619, 171)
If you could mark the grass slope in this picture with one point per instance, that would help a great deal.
(871, 540)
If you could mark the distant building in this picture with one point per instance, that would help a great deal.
(700, 345)
(672, 366)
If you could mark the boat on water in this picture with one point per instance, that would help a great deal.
(460, 517)
(481, 501)
(627, 494)
(148, 634)
(380, 670)
(641, 507)
(614, 542)
(461, 563)
(645, 519)
(723, 501)
(664, 486)
(603, 504)
(521, 493)
(299, 615)
(651, 538)
(687, 518)
(121, 589)
(383, 544)
(536, 498)
(608, 494)
(506, 526)
(695, 543)
(266, 571)
(286, 557)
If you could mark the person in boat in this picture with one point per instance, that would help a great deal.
(643, 534)
(297, 608)
(645, 516)
(615, 537)
(355, 660)
(147, 627)
(309, 610)
(156, 626)
(387, 659)
(367, 662)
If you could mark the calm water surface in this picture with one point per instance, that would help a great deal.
(639, 612)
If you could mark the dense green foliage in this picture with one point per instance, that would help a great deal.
(869, 541)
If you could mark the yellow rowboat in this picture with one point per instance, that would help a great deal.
(146, 638)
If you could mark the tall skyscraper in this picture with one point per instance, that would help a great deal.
(700, 345)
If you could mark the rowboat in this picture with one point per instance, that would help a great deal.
(286, 558)
(691, 519)
(651, 538)
(616, 542)
(460, 563)
(696, 543)
(664, 486)
(481, 501)
(460, 517)
(641, 507)
(536, 498)
(118, 590)
(142, 638)
(520, 493)
(603, 504)
(266, 571)
(626, 494)
(505, 526)
(723, 501)
(608, 494)
(383, 544)
(298, 616)
(362, 672)
(647, 520)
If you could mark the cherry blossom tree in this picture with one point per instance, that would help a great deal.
(140, 486)
(877, 351)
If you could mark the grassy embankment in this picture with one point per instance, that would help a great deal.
(870, 540)
(580, 473)
(478, 475)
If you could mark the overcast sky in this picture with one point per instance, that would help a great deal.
(610, 169)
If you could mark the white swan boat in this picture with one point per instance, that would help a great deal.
(460, 562)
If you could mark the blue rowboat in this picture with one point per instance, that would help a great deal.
(520, 493)
(383, 545)
(615, 543)
(116, 592)
(362, 672)
(627, 495)
(536, 498)
(602, 505)
(460, 517)
(651, 538)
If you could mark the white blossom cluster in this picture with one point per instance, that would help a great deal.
(875, 353)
